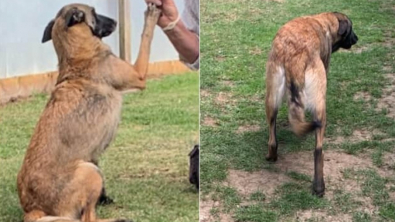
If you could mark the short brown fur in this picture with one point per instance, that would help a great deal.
(297, 66)
(59, 179)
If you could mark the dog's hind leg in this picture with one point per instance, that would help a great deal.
(90, 181)
(151, 18)
(275, 88)
(103, 199)
(78, 199)
(56, 219)
(315, 92)
(318, 183)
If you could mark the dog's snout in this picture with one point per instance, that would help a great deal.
(105, 26)
(114, 24)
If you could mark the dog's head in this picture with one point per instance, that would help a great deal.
(347, 36)
(82, 17)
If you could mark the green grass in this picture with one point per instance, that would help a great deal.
(236, 38)
(257, 196)
(255, 213)
(145, 168)
(293, 197)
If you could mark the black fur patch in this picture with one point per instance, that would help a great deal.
(194, 166)
(316, 124)
(294, 93)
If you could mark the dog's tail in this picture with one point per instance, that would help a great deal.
(296, 111)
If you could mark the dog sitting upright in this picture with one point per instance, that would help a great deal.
(298, 64)
(59, 180)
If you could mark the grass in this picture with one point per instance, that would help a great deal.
(236, 38)
(145, 168)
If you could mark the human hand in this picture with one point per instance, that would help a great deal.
(169, 11)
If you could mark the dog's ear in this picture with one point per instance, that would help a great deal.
(74, 16)
(343, 27)
(47, 32)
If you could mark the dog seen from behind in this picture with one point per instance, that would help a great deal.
(297, 67)
(59, 180)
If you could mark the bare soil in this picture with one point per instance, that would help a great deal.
(209, 121)
(205, 215)
(357, 136)
(248, 128)
(335, 163)
(224, 98)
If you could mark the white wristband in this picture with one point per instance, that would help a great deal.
(171, 25)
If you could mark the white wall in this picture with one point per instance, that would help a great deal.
(22, 24)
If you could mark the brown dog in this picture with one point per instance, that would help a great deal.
(59, 180)
(298, 64)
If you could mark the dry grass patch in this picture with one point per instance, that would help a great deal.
(357, 136)
(255, 51)
(211, 211)
(204, 93)
(224, 98)
(247, 183)
(302, 163)
(314, 215)
(209, 121)
(365, 96)
(248, 128)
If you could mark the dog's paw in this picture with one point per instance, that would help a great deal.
(318, 193)
(318, 188)
(272, 158)
(152, 11)
(105, 200)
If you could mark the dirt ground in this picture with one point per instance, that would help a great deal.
(266, 181)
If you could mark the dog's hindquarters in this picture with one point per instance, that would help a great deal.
(76, 201)
(296, 109)
(308, 93)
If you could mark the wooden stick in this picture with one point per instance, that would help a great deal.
(124, 30)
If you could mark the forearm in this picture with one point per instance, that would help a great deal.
(185, 42)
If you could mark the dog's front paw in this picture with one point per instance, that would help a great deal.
(152, 12)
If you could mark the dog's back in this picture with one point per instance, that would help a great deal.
(297, 67)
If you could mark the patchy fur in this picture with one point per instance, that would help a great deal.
(59, 179)
(297, 66)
